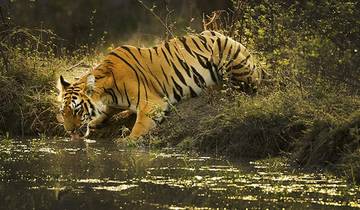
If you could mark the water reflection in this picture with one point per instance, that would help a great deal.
(58, 174)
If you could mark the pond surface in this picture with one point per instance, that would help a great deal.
(58, 174)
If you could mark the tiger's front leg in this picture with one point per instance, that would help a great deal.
(101, 118)
(142, 126)
(98, 121)
(147, 116)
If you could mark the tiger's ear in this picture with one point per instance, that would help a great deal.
(90, 85)
(62, 85)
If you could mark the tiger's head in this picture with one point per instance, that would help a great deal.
(77, 108)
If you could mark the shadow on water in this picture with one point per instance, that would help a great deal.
(57, 174)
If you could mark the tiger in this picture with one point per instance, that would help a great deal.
(147, 81)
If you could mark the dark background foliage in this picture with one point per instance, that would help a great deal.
(89, 21)
(301, 41)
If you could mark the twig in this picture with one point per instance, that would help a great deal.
(3, 18)
(76, 65)
(5, 60)
(22, 122)
(212, 19)
(157, 17)
(235, 16)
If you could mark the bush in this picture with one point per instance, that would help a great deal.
(27, 79)
(328, 142)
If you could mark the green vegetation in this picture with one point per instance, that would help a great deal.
(26, 79)
(308, 111)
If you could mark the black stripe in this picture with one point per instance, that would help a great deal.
(237, 52)
(242, 63)
(92, 109)
(146, 94)
(86, 108)
(76, 105)
(226, 41)
(166, 78)
(164, 89)
(234, 56)
(132, 54)
(227, 59)
(206, 65)
(204, 42)
(81, 102)
(199, 80)
(196, 44)
(137, 61)
(156, 78)
(220, 51)
(229, 53)
(192, 92)
(167, 60)
(138, 95)
(238, 66)
(126, 94)
(201, 61)
(176, 96)
(137, 76)
(99, 77)
(184, 65)
(183, 40)
(156, 89)
(178, 74)
(116, 86)
(168, 48)
(177, 49)
(150, 53)
(109, 62)
(121, 96)
(157, 53)
(112, 94)
(178, 87)
(213, 75)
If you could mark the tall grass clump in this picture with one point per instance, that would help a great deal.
(28, 66)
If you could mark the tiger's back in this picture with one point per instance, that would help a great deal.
(171, 69)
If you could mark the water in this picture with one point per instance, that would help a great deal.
(58, 174)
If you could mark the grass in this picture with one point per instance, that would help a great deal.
(26, 85)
